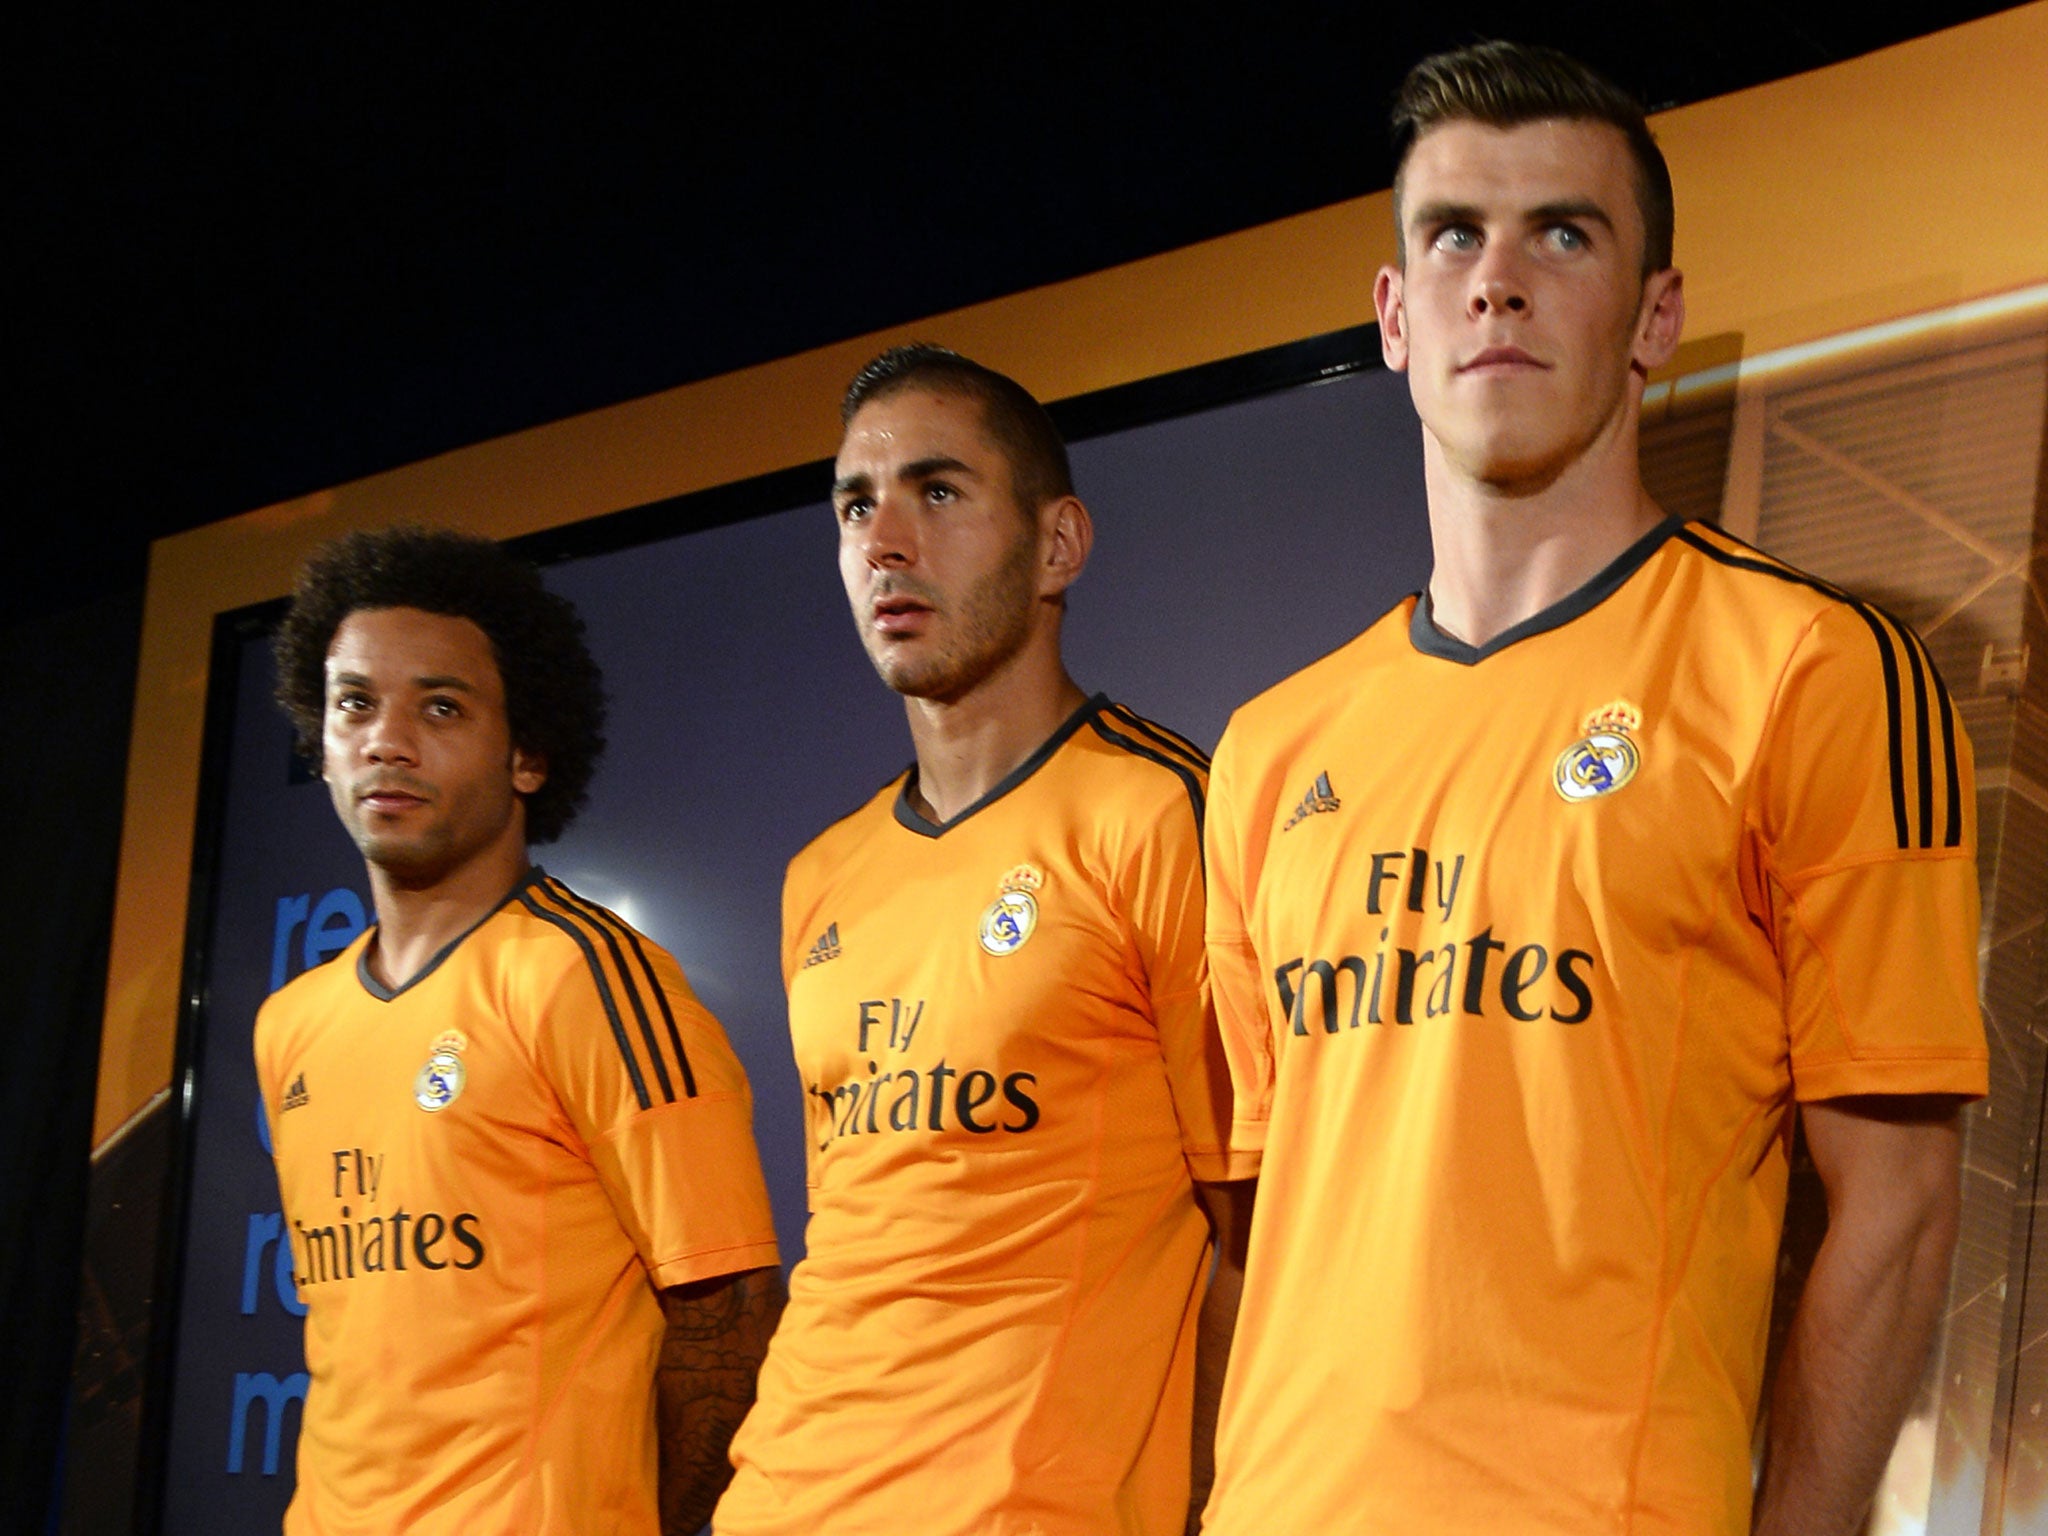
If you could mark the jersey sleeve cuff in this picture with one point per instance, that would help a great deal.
(1223, 1167)
(1964, 1074)
(715, 1262)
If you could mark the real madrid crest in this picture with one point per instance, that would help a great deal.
(440, 1081)
(1013, 915)
(1603, 759)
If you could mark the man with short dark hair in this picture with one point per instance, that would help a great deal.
(1536, 909)
(516, 1154)
(999, 1013)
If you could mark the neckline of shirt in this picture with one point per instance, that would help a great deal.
(910, 817)
(1431, 641)
(533, 876)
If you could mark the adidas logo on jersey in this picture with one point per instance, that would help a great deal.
(1320, 797)
(827, 948)
(296, 1097)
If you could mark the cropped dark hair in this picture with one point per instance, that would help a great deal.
(1039, 471)
(554, 694)
(1506, 84)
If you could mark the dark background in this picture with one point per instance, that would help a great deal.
(258, 256)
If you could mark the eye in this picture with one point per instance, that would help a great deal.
(1566, 237)
(351, 702)
(853, 509)
(1456, 240)
(938, 492)
(442, 707)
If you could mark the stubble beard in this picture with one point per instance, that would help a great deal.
(420, 860)
(994, 621)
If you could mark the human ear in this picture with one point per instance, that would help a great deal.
(529, 770)
(1660, 321)
(1387, 303)
(1069, 534)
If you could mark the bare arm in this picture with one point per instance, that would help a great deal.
(1229, 1207)
(718, 1333)
(1859, 1339)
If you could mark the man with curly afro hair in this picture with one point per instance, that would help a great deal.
(516, 1153)
(554, 694)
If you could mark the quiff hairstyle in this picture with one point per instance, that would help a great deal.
(1039, 471)
(1504, 85)
(554, 693)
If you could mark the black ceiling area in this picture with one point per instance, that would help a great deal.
(268, 255)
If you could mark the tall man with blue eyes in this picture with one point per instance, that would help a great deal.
(515, 1152)
(1538, 911)
(1016, 1100)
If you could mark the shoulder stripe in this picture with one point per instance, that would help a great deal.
(1952, 819)
(1891, 637)
(604, 990)
(1895, 730)
(1951, 728)
(1159, 733)
(611, 919)
(1922, 739)
(1190, 781)
(632, 987)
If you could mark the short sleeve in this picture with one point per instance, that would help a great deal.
(1163, 890)
(650, 1083)
(1235, 976)
(1864, 834)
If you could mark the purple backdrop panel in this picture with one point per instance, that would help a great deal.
(1233, 545)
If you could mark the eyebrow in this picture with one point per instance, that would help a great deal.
(1444, 213)
(1571, 208)
(431, 683)
(1543, 213)
(916, 469)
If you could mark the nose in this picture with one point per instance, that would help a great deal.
(1498, 286)
(390, 740)
(888, 536)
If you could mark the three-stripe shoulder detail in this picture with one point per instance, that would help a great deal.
(1141, 738)
(619, 964)
(1153, 731)
(1906, 667)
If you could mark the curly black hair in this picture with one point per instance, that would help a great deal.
(554, 693)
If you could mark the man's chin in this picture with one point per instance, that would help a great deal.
(920, 685)
(1515, 469)
(944, 679)
(404, 863)
(909, 677)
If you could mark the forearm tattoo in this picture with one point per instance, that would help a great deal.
(718, 1333)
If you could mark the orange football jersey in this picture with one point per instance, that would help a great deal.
(1013, 1075)
(486, 1174)
(1522, 956)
